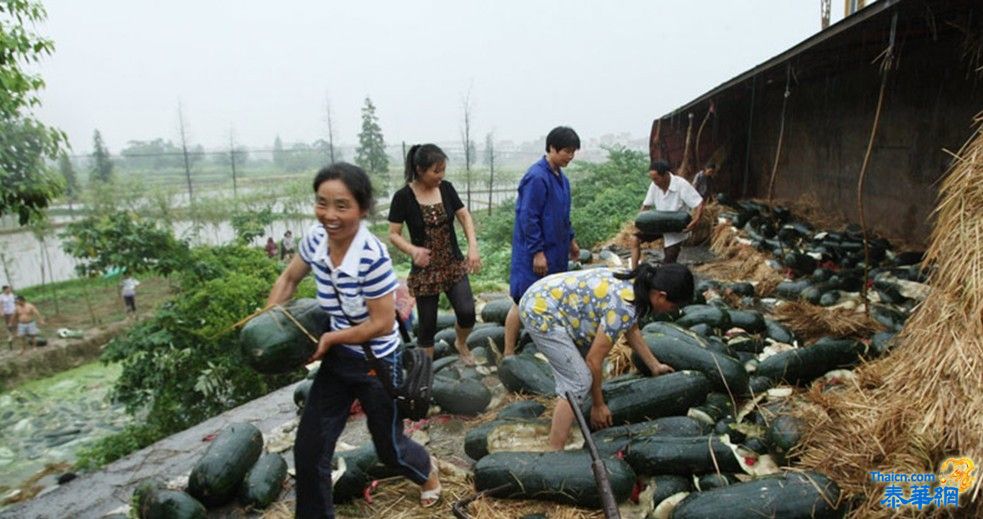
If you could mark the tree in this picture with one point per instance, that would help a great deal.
(151, 155)
(279, 158)
(187, 160)
(249, 225)
(102, 164)
(371, 153)
(121, 240)
(490, 161)
(469, 155)
(328, 119)
(26, 144)
(71, 179)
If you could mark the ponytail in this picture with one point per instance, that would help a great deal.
(410, 172)
(422, 157)
(674, 279)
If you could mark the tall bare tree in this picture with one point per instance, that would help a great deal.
(329, 120)
(490, 157)
(232, 160)
(184, 151)
(468, 145)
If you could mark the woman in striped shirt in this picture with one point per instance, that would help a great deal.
(355, 287)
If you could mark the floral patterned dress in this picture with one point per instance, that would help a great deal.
(444, 269)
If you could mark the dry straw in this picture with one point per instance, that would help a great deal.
(739, 261)
(922, 404)
(810, 322)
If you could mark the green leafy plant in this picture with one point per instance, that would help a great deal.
(250, 224)
(26, 145)
(123, 240)
(184, 364)
(607, 194)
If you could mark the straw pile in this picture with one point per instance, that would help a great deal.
(739, 262)
(922, 404)
(810, 322)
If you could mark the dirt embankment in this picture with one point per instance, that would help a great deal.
(59, 355)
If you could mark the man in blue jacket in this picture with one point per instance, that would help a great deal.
(542, 238)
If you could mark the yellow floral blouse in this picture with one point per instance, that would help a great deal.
(580, 302)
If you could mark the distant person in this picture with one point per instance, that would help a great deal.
(287, 246)
(703, 181)
(27, 322)
(667, 192)
(429, 205)
(8, 303)
(542, 238)
(128, 291)
(271, 248)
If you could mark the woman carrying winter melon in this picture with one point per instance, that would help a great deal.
(355, 285)
(574, 318)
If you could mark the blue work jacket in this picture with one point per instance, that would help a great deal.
(542, 223)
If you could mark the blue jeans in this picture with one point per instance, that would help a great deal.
(343, 377)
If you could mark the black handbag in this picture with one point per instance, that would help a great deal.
(414, 390)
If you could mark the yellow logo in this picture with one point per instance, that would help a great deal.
(957, 472)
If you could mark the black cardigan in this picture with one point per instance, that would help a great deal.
(405, 208)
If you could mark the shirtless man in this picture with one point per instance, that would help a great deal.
(27, 319)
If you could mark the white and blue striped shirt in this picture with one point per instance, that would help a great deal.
(366, 272)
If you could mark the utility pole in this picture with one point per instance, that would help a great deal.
(824, 9)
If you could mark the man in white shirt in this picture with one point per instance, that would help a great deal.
(667, 192)
(8, 304)
(128, 291)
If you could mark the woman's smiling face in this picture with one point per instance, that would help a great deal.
(337, 210)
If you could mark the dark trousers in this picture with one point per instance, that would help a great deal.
(461, 300)
(671, 254)
(343, 377)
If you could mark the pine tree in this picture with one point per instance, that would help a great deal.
(371, 153)
(102, 165)
(68, 172)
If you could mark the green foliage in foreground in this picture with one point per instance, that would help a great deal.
(184, 364)
(26, 144)
(607, 194)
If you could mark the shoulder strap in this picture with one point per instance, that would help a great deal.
(381, 370)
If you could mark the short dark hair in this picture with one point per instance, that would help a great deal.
(710, 165)
(5, 287)
(20, 298)
(674, 279)
(659, 165)
(354, 179)
(422, 156)
(561, 138)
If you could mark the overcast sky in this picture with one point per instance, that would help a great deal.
(266, 68)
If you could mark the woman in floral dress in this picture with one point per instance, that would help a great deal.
(428, 205)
